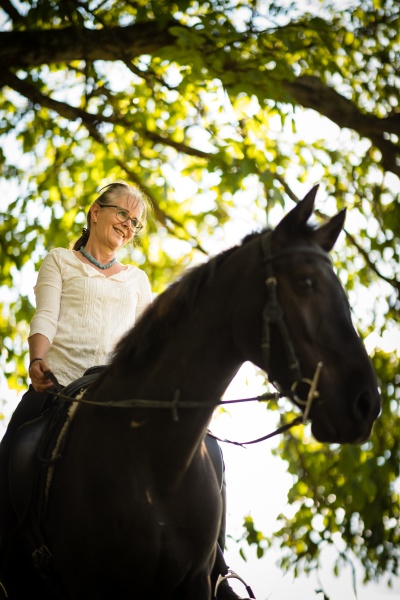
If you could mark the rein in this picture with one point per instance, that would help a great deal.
(173, 404)
(176, 404)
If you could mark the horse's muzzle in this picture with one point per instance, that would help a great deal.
(352, 428)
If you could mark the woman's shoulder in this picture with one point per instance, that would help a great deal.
(62, 257)
(61, 254)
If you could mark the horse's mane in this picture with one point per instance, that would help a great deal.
(160, 318)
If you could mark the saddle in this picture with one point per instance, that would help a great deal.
(32, 451)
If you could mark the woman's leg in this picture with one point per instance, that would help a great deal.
(30, 407)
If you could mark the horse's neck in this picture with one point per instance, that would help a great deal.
(211, 340)
(198, 361)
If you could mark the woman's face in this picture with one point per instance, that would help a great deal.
(110, 226)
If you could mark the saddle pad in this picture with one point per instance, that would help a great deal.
(24, 463)
(35, 446)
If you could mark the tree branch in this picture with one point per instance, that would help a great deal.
(392, 281)
(48, 46)
(311, 92)
(67, 111)
(179, 146)
(36, 47)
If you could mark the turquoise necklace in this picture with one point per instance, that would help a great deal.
(96, 262)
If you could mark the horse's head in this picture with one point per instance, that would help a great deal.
(307, 320)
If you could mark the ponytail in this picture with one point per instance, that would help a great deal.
(82, 241)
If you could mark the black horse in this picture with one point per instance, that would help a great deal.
(134, 506)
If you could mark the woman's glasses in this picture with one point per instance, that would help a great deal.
(123, 216)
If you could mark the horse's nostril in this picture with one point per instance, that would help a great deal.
(362, 407)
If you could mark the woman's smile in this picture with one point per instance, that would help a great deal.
(120, 231)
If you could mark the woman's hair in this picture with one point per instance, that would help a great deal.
(108, 195)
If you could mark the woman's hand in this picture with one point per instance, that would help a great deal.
(38, 374)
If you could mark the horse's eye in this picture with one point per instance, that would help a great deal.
(306, 283)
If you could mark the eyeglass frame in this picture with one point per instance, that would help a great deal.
(135, 228)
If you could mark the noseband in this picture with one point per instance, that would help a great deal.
(273, 315)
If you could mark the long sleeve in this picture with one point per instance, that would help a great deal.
(48, 291)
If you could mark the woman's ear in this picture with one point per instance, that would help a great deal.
(94, 211)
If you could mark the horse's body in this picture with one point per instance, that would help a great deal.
(134, 507)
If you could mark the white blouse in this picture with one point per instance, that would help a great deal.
(83, 313)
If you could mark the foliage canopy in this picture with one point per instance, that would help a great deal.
(218, 109)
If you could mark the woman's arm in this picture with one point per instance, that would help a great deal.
(39, 345)
(44, 323)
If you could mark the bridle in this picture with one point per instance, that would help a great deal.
(273, 315)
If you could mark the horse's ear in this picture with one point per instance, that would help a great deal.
(328, 233)
(300, 214)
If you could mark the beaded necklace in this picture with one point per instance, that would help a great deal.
(96, 262)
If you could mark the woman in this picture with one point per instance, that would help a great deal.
(85, 301)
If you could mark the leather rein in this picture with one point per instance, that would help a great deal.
(272, 315)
